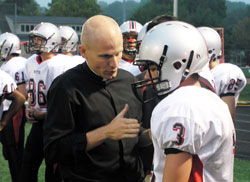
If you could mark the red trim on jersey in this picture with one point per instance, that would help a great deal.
(207, 84)
(38, 60)
(129, 61)
(197, 170)
(17, 121)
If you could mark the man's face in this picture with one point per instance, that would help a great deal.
(153, 70)
(130, 41)
(104, 57)
(38, 42)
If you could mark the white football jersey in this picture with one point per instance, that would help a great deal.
(77, 60)
(15, 67)
(7, 86)
(196, 121)
(229, 80)
(129, 67)
(37, 73)
(58, 65)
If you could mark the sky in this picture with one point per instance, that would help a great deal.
(44, 3)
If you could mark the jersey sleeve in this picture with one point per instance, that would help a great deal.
(178, 134)
(231, 82)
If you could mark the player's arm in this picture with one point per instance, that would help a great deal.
(38, 115)
(22, 88)
(230, 101)
(17, 102)
(177, 167)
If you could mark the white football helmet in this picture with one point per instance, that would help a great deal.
(50, 36)
(141, 34)
(213, 41)
(130, 28)
(178, 49)
(9, 44)
(69, 39)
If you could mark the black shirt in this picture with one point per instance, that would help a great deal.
(80, 101)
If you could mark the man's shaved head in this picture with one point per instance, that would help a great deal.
(97, 28)
(102, 45)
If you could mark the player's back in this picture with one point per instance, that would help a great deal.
(229, 80)
(197, 121)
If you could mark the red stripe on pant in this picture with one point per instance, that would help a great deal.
(17, 121)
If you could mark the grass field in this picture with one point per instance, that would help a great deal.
(245, 94)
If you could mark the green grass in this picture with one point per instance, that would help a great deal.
(241, 167)
(245, 93)
(241, 170)
(4, 168)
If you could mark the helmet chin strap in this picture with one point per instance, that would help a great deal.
(186, 72)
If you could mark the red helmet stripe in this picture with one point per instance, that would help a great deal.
(38, 26)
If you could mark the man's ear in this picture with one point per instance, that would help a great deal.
(82, 50)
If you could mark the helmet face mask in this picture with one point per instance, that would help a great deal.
(178, 49)
(37, 44)
(9, 44)
(69, 39)
(130, 30)
(44, 38)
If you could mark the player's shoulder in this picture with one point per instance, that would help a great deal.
(188, 98)
(227, 71)
(226, 68)
(17, 61)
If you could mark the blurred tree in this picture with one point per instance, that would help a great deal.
(150, 9)
(196, 12)
(240, 35)
(115, 10)
(25, 7)
(203, 12)
(74, 8)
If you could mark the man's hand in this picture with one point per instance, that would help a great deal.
(121, 127)
(118, 128)
(29, 111)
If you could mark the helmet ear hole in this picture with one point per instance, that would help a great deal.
(177, 65)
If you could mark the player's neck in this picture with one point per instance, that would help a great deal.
(190, 81)
(128, 58)
(46, 55)
(212, 65)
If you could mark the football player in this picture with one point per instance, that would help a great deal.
(130, 30)
(229, 78)
(192, 130)
(69, 44)
(13, 134)
(44, 41)
(8, 91)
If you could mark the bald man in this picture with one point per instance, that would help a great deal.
(92, 129)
